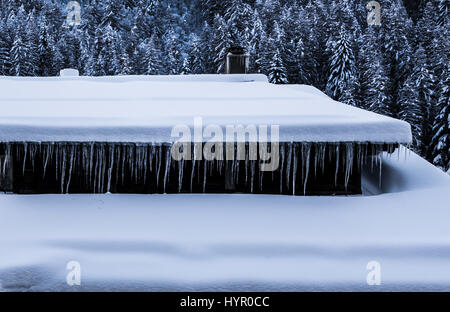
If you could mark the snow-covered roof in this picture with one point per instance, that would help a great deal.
(146, 108)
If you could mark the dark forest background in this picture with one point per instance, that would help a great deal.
(399, 69)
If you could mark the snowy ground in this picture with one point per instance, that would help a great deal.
(233, 242)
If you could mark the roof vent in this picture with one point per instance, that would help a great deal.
(69, 72)
(237, 61)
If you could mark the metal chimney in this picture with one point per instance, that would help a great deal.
(237, 61)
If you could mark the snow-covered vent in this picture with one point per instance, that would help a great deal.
(69, 167)
(69, 72)
(237, 61)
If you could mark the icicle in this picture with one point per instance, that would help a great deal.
(96, 170)
(146, 155)
(236, 170)
(205, 169)
(63, 168)
(167, 169)
(180, 175)
(25, 145)
(261, 173)
(72, 156)
(306, 154)
(322, 151)
(151, 156)
(282, 155)
(7, 158)
(337, 151)
(110, 167)
(192, 173)
(32, 155)
(118, 158)
(91, 163)
(246, 165)
(294, 170)
(252, 174)
(380, 172)
(103, 168)
(288, 165)
(348, 162)
(158, 164)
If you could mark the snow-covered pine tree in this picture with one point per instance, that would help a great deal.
(441, 129)
(5, 63)
(342, 81)
(277, 71)
(255, 47)
(416, 96)
(306, 64)
(186, 68)
(373, 76)
(316, 29)
(443, 12)
(20, 61)
(111, 51)
(172, 59)
(221, 41)
(45, 53)
(239, 20)
(396, 30)
(269, 10)
(195, 52)
(105, 53)
(153, 57)
(4, 49)
(113, 14)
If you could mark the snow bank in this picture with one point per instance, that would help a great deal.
(145, 109)
(234, 242)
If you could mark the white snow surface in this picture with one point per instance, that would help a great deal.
(234, 242)
(146, 108)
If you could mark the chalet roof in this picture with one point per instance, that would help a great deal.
(146, 108)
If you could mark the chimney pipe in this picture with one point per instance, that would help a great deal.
(237, 61)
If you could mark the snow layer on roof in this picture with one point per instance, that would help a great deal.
(234, 242)
(146, 108)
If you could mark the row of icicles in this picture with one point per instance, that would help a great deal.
(102, 164)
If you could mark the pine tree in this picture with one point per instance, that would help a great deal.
(277, 71)
(374, 81)
(20, 62)
(307, 66)
(172, 53)
(441, 128)
(5, 63)
(45, 52)
(186, 68)
(113, 15)
(396, 31)
(341, 80)
(153, 57)
(4, 51)
(196, 57)
(416, 102)
(221, 41)
(239, 20)
(443, 12)
(105, 54)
